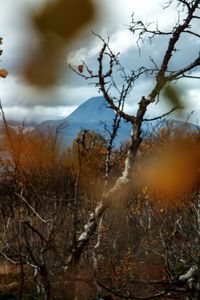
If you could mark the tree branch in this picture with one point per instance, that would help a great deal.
(188, 68)
(162, 116)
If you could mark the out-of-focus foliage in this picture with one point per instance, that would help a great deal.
(173, 97)
(63, 18)
(57, 24)
(3, 72)
(172, 170)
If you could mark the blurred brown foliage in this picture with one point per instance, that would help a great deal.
(173, 169)
(57, 24)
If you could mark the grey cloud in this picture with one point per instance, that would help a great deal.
(15, 93)
(37, 114)
(21, 100)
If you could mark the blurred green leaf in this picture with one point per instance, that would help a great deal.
(173, 96)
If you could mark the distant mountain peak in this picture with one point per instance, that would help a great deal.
(92, 110)
(91, 115)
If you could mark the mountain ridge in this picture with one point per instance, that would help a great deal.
(93, 114)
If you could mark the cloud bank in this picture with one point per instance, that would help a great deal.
(22, 101)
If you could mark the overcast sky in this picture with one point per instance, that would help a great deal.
(23, 101)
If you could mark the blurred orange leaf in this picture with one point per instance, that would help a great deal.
(3, 73)
(174, 171)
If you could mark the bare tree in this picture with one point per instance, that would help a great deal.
(163, 78)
